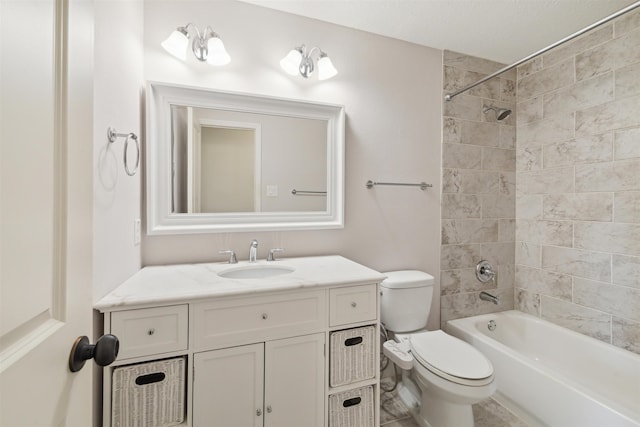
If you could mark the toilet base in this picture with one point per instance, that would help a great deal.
(430, 410)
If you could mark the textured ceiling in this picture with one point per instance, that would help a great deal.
(501, 30)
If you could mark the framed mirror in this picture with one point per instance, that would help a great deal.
(222, 161)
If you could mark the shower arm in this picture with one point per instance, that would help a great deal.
(449, 96)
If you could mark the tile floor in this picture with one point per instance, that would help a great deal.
(488, 413)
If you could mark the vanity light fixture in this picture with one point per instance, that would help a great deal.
(299, 61)
(206, 46)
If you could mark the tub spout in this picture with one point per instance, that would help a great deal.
(485, 296)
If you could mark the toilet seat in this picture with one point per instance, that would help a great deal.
(451, 358)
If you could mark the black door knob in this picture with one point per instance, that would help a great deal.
(103, 352)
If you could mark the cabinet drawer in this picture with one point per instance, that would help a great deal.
(353, 304)
(244, 320)
(151, 330)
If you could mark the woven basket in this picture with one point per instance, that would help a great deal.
(353, 408)
(353, 356)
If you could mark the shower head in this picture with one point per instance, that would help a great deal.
(501, 113)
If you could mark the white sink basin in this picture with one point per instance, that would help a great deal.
(255, 271)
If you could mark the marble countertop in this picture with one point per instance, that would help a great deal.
(180, 283)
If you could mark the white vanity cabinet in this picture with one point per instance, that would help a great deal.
(259, 355)
(273, 384)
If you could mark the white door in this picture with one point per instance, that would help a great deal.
(45, 210)
(294, 382)
(228, 387)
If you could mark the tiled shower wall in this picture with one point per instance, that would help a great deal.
(578, 184)
(478, 193)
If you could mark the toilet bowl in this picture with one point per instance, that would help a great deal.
(447, 375)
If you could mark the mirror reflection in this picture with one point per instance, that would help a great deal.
(235, 161)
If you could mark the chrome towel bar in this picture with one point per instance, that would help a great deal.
(308, 193)
(423, 185)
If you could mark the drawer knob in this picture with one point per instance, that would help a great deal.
(354, 304)
(151, 331)
(265, 316)
(269, 409)
(258, 412)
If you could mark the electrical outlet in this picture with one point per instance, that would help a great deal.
(137, 232)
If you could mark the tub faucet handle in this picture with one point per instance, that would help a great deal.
(484, 271)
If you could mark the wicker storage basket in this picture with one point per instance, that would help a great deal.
(149, 394)
(353, 408)
(353, 356)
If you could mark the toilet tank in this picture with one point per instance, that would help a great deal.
(405, 300)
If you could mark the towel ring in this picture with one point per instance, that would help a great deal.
(112, 135)
(126, 146)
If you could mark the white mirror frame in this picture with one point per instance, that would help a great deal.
(161, 219)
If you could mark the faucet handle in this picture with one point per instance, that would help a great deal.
(232, 256)
(272, 252)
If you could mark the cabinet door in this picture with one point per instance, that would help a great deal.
(228, 387)
(294, 382)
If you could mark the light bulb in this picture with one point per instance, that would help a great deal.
(217, 54)
(326, 70)
(291, 63)
(176, 43)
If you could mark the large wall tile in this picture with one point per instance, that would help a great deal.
(461, 156)
(611, 55)
(627, 143)
(611, 176)
(507, 183)
(472, 63)
(469, 304)
(628, 81)
(548, 181)
(588, 149)
(587, 321)
(544, 282)
(528, 254)
(579, 96)
(626, 270)
(507, 137)
(507, 230)
(529, 158)
(621, 300)
(579, 206)
(461, 281)
(530, 110)
(455, 231)
(546, 80)
(610, 116)
(627, 207)
(560, 127)
(529, 206)
(626, 334)
(461, 206)
(527, 302)
(500, 253)
(627, 22)
(557, 233)
(469, 182)
(580, 44)
(532, 66)
(498, 206)
(460, 256)
(480, 133)
(580, 263)
(608, 237)
(464, 107)
(498, 159)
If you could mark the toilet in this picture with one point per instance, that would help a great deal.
(446, 375)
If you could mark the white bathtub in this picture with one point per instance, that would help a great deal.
(552, 376)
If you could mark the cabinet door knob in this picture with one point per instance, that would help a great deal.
(265, 316)
(354, 304)
(258, 412)
(151, 331)
(269, 409)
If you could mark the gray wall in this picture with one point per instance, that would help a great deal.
(578, 184)
(478, 186)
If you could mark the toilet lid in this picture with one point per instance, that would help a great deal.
(450, 356)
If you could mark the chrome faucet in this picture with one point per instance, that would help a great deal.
(486, 296)
(253, 251)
